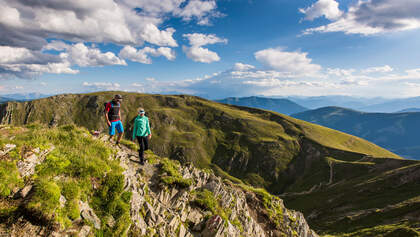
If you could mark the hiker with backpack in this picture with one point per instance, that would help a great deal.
(113, 117)
(142, 132)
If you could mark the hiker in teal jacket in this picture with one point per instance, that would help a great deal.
(142, 132)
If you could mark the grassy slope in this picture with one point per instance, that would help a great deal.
(76, 163)
(84, 168)
(260, 147)
(190, 128)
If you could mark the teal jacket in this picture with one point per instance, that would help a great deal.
(141, 127)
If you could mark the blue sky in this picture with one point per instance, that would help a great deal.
(212, 48)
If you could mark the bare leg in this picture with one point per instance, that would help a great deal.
(111, 138)
(120, 136)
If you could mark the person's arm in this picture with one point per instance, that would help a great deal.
(106, 115)
(134, 129)
(148, 129)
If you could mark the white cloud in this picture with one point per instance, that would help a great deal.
(150, 79)
(354, 81)
(153, 35)
(382, 69)
(375, 16)
(25, 63)
(142, 55)
(201, 10)
(294, 63)
(340, 72)
(25, 27)
(242, 67)
(199, 54)
(327, 8)
(94, 86)
(83, 56)
(135, 84)
(198, 39)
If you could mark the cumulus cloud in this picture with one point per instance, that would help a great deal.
(373, 17)
(198, 39)
(199, 54)
(242, 67)
(339, 72)
(95, 86)
(382, 69)
(327, 8)
(293, 63)
(254, 81)
(30, 23)
(196, 52)
(201, 10)
(83, 56)
(25, 63)
(25, 27)
(142, 55)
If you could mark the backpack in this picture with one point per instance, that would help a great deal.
(105, 106)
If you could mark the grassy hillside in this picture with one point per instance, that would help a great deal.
(283, 106)
(347, 194)
(266, 149)
(398, 132)
(243, 142)
(66, 182)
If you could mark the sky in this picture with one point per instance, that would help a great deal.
(211, 48)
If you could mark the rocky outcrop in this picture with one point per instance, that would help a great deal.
(161, 209)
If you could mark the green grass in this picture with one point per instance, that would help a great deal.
(170, 174)
(70, 169)
(393, 230)
(207, 200)
(130, 144)
(272, 204)
(9, 178)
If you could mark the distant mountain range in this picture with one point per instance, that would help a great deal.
(398, 132)
(314, 102)
(4, 99)
(22, 97)
(409, 110)
(394, 105)
(287, 104)
(283, 106)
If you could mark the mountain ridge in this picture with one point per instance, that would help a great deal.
(283, 106)
(396, 131)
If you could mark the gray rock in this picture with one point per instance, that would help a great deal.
(182, 231)
(25, 190)
(84, 232)
(87, 213)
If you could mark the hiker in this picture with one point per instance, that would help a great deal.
(142, 132)
(113, 117)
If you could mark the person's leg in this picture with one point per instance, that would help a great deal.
(111, 131)
(141, 150)
(120, 129)
(146, 143)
